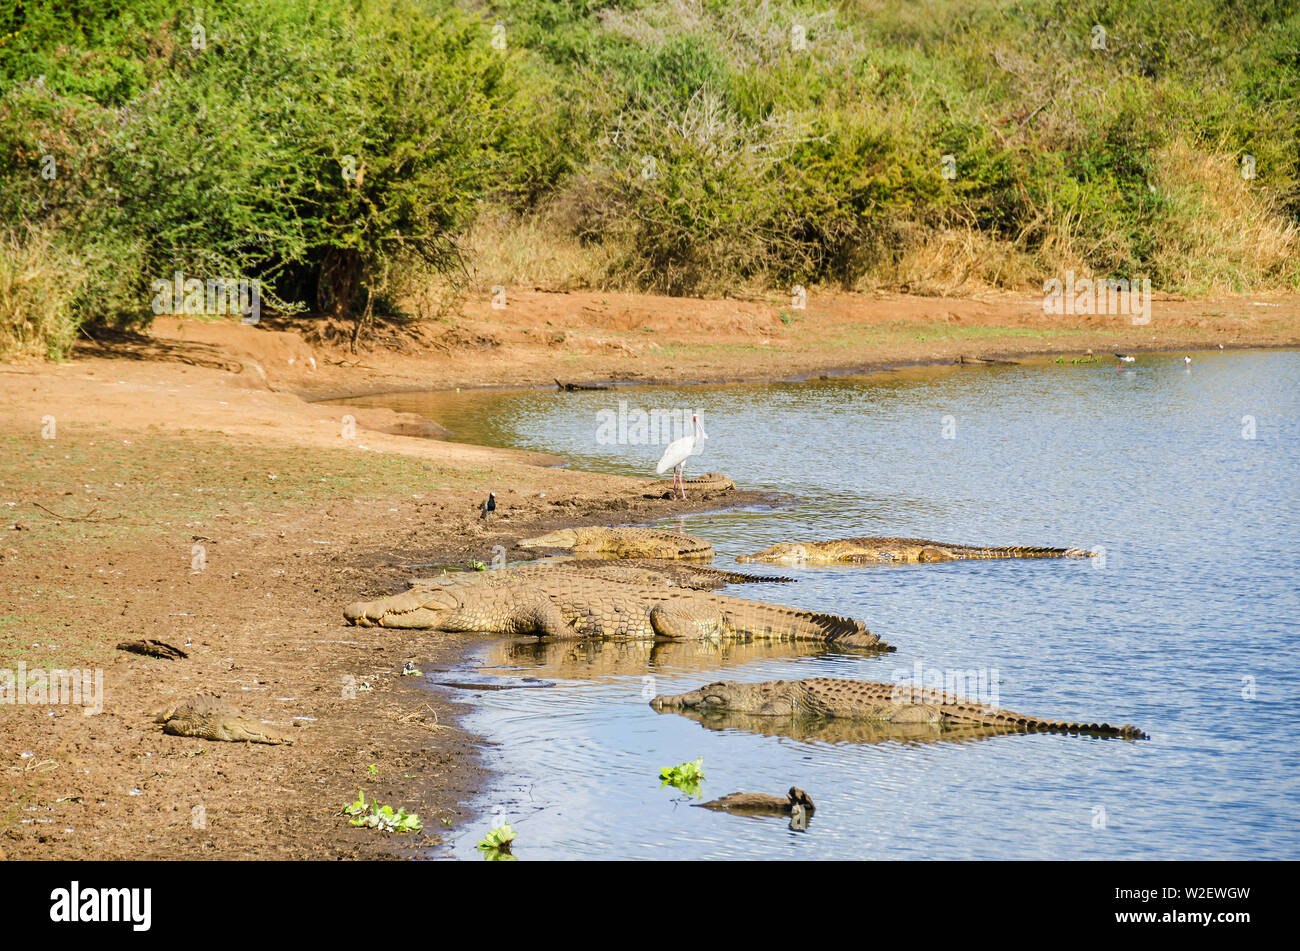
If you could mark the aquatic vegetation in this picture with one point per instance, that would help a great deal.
(685, 776)
(495, 846)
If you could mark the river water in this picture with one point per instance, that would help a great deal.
(1185, 475)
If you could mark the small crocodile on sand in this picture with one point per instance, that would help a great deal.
(872, 550)
(209, 718)
(866, 700)
(624, 542)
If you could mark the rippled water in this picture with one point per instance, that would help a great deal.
(1187, 627)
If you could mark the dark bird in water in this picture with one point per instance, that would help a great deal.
(1125, 357)
(489, 506)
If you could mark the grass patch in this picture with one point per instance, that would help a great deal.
(148, 481)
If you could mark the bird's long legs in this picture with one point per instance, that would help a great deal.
(681, 481)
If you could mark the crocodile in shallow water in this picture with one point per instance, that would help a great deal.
(711, 483)
(209, 718)
(866, 700)
(880, 550)
(624, 542)
(561, 604)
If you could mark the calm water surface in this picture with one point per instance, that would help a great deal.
(1186, 628)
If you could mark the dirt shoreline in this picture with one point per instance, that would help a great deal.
(183, 487)
(977, 358)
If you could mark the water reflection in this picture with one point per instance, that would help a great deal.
(843, 730)
(590, 659)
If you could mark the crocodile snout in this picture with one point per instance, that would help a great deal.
(356, 613)
(668, 701)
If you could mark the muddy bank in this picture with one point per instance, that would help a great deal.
(145, 499)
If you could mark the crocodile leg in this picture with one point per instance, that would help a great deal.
(679, 624)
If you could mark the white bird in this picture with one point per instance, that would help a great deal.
(1187, 360)
(678, 450)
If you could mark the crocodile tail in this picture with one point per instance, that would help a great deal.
(1025, 551)
(965, 710)
(843, 631)
(741, 577)
(1127, 731)
(759, 619)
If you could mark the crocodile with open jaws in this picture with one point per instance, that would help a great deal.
(866, 700)
(624, 542)
(209, 718)
(563, 604)
(880, 550)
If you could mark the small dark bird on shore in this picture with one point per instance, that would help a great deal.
(489, 506)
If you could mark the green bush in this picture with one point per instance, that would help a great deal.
(314, 147)
(332, 149)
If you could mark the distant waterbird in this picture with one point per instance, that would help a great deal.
(678, 451)
(1187, 360)
(488, 507)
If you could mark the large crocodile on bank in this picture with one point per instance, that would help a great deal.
(624, 542)
(881, 550)
(564, 604)
(866, 700)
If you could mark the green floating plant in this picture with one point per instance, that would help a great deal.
(496, 844)
(686, 777)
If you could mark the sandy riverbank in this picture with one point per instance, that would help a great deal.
(589, 337)
(180, 487)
